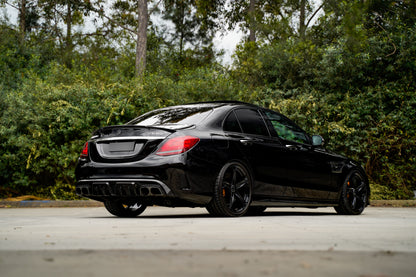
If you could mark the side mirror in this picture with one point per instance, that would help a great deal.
(317, 140)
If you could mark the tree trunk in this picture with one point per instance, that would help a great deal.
(252, 20)
(141, 44)
(182, 32)
(68, 39)
(22, 20)
(302, 26)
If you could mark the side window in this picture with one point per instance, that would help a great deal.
(286, 129)
(251, 122)
(231, 124)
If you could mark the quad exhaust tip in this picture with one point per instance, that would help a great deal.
(118, 190)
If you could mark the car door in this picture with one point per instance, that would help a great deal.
(247, 129)
(308, 168)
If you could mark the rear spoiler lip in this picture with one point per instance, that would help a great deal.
(97, 133)
(158, 127)
(172, 129)
(127, 138)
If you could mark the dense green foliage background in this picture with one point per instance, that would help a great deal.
(351, 78)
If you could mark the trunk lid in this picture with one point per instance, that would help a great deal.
(125, 143)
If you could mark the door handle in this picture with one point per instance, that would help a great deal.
(246, 142)
(291, 147)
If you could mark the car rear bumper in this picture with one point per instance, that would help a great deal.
(129, 187)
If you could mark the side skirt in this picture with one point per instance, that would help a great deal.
(277, 203)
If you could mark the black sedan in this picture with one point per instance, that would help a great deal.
(233, 158)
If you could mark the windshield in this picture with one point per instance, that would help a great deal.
(178, 117)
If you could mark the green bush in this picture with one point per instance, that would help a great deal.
(45, 122)
(375, 127)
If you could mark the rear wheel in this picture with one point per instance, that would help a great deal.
(211, 211)
(354, 195)
(232, 191)
(124, 209)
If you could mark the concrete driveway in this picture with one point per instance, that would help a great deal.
(188, 242)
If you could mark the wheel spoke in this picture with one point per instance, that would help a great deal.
(239, 198)
(232, 201)
(241, 184)
(353, 202)
(126, 209)
(234, 176)
(358, 193)
(226, 185)
(134, 207)
(360, 188)
(361, 200)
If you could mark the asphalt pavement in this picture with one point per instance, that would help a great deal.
(189, 242)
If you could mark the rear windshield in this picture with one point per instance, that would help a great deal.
(173, 117)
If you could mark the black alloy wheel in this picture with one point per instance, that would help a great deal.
(232, 191)
(124, 209)
(354, 195)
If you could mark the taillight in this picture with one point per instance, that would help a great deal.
(84, 153)
(177, 145)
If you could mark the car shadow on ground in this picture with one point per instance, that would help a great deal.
(265, 214)
(206, 215)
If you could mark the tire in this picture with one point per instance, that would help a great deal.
(211, 211)
(256, 210)
(122, 209)
(354, 194)
(232, 191)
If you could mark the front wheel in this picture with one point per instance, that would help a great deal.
(232, 191)
(124, 209)
(354, 194)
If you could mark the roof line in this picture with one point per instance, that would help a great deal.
(221, 102)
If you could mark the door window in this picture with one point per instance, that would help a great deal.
(251, 122)
(286, 129)
(246, 121)
(231, 124)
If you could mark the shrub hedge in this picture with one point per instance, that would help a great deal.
(45, 121)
